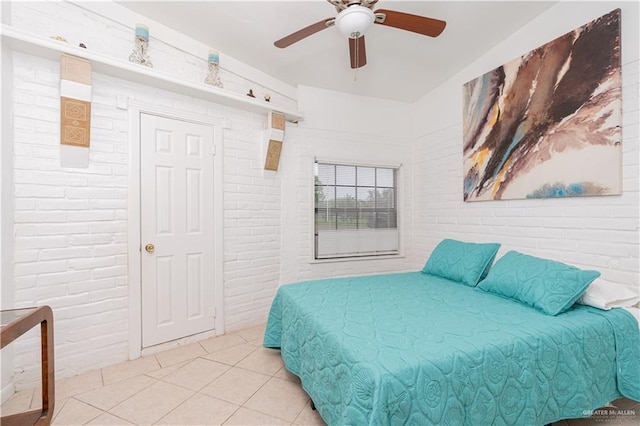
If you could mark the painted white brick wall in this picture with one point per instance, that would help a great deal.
(6, 213)
(71, 245)
(300, 148)
(346, 128)
(70, 241)
(602, 233)
(252, 225)
(70, 224)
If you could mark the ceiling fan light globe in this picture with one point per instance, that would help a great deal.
(354, 21)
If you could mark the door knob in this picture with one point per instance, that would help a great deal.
(149, 247)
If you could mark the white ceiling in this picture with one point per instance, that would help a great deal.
(400, 65)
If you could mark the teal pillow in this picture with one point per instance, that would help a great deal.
(459, 261)
(549, 286)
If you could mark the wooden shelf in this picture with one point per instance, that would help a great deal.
(51, 49)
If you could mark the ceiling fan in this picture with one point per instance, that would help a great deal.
(355, 17)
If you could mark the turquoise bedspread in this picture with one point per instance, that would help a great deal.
(416, 349)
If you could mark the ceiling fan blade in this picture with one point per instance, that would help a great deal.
(357, 52)
(414, 23)
(304, 33)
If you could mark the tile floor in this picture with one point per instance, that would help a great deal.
(225, 380)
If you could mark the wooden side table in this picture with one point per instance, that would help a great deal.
(16, 322)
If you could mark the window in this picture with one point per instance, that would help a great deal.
(355, 211)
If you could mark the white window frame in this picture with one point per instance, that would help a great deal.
(399, 209)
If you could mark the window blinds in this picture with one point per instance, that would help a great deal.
(355, 211)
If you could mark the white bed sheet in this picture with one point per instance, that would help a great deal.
(605, 295)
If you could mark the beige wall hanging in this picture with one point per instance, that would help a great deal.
(275, 137)
(75, 111)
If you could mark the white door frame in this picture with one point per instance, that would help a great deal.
(134, 245)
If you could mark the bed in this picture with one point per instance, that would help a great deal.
(417, 348)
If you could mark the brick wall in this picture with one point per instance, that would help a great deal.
(346, 128)
(301, 147)
(590, 232)
(6, 214)
(70, 241)
(70, 225)
(70, 244)
(251, 225)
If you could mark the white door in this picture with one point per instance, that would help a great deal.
(177, 233)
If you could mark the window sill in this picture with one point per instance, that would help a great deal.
(356, 259)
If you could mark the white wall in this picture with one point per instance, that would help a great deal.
(345, 128)
(6, 208)
(591, 232)
(69, 244)
(70, 224)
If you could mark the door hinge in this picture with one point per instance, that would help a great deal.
(212, 150)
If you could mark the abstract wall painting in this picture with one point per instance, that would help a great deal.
(548, 124)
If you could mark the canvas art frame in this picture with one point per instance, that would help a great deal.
(548, 124)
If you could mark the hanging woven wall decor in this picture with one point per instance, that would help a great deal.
(75, 97)
(75, 111)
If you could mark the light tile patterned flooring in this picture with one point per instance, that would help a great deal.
(225, 380)
(230, 380)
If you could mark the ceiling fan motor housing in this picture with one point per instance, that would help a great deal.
(354, 20)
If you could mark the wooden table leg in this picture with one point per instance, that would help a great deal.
(44, 316)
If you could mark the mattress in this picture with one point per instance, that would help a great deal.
(412, 348)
